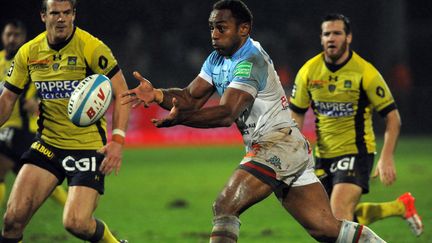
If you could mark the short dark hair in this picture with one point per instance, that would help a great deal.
(17, 24)
(44, 4)
(338, 16)
(239, 10)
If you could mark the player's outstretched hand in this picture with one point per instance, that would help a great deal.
(171, 119)
(113, 158)
(386, 171)
(143, 94)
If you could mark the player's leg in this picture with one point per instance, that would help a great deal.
(31, 187)
(86, 184)
(346, 178)
(6, 165)
(403, 206)
(310, 205)
(242, 191)
(78, 216)
(343, 200)
(8, 156)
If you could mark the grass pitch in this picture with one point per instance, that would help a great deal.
(165, 195)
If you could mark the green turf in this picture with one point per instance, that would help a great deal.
(165, 195)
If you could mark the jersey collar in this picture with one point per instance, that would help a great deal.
(242, 49)
(335, 67)
(60, 45)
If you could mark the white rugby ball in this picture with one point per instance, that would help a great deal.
(90, 100)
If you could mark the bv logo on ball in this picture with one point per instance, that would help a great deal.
(90, 100)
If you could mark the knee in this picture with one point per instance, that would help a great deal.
(15, 219)
(77, 225)
(224, 207)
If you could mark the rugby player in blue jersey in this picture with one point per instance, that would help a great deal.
(279, 158)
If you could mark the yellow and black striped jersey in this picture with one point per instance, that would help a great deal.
(342, 98)
(55, 71)
(19, 117)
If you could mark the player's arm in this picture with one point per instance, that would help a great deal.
(120, 117)
(300, 99)
(194, 96)
(385, 166)
(7, 102)
(232, 104)
(382, 100)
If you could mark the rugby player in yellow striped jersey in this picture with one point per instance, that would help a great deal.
(18, 132)
(55, 62)
(343, 89)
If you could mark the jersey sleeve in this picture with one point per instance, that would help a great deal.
(250, 75)
(300, 99)
(206, 69)
(18, 75)
(100, 58)
(377, 91)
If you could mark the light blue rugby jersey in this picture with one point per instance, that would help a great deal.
(250, 69)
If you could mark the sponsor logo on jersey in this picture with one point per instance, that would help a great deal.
(317, 84)
(243, 69)
(57, 57)
(72, 61)
(332, 88)
(334, 109)
(38, 64)
(346, 163)
(275, 161)
(333, 78)
(347, 84)
(55, 66)
(42, 149)
(61, 89)
(84, 164)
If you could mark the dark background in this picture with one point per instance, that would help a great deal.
(167, 40)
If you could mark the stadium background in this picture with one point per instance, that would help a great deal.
(168, 40)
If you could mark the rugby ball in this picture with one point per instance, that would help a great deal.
(90, 100)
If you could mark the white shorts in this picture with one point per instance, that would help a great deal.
(281, 156)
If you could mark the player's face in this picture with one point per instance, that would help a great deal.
(13, 38)
(58, 18)
(225, 34)
(335, 41)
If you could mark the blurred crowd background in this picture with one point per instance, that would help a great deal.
(168, 40)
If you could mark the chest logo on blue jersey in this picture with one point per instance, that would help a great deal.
(61, 89)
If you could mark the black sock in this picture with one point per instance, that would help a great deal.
(9, 240)
(98, 234)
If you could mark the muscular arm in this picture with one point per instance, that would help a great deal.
(193, 97)
(121, 112)
(7, 102)
(386, 167)
(113, 150)
(233, 103)
(393, 124)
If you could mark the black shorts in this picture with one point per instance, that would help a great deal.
(13, 143)
(80, 167)
(354, 169)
